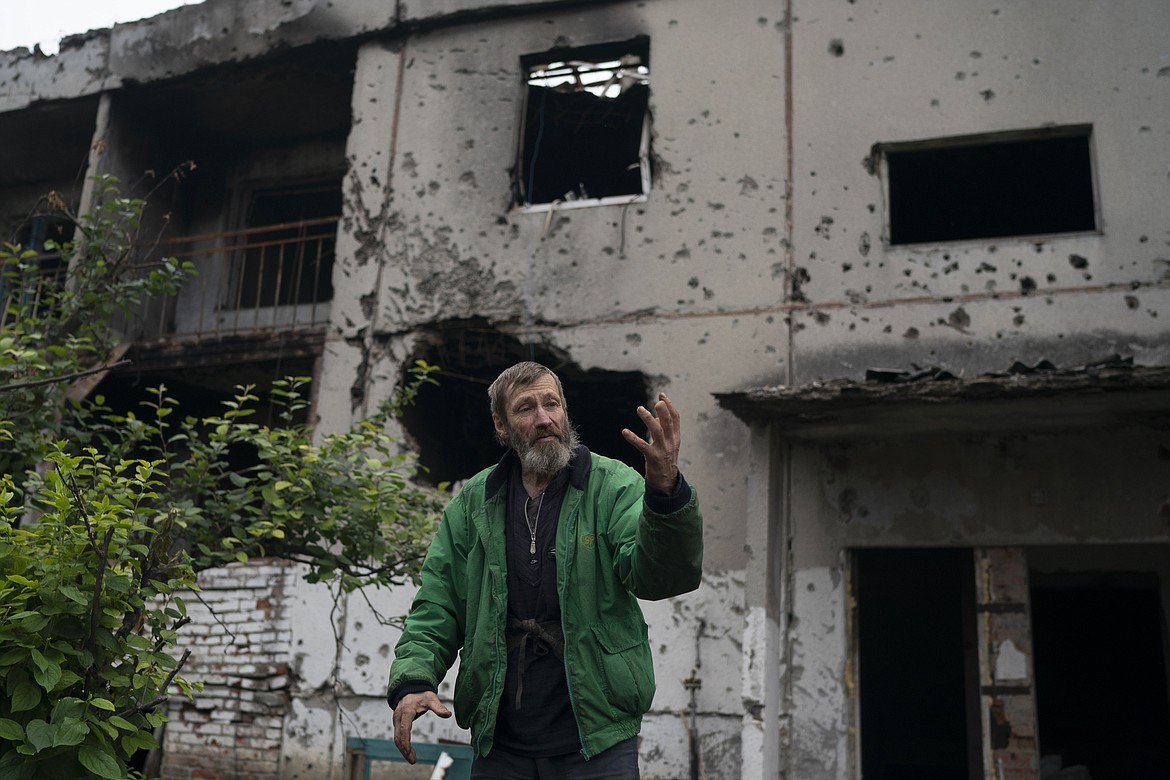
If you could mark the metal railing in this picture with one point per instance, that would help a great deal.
(275, 278)
(27, 285)
(269, 278)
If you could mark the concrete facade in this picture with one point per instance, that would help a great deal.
(757, 270)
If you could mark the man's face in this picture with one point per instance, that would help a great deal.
(538, 427)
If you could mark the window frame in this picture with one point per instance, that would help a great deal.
(880, 159)
(603, 52)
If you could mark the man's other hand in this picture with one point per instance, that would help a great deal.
(661, 451)
(410, 707)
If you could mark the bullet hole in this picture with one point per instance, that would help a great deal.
(986, 267)
(634, 339)
(1131, 302)
(1078, 262)
(1051, 278)
(800, 277)
(821, 318)
(1018, 320)
(911, 333)
(822, 229)
(872, 164)
(959, 319)
(987, 95)
(693, 282)
(847, 503)
(863, 244)
(1027, 285)
(837, 47)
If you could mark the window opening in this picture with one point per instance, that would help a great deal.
(917, 673)
(288, 247)
(1004, 185)
(586, 125)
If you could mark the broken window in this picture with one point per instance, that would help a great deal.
(287, 247)
(470, 355)
(586, 132)
(991, 186)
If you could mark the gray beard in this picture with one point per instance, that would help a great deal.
(547, 458)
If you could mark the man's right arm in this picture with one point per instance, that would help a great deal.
(433, 631)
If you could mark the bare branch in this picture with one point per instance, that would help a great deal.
(14, 386)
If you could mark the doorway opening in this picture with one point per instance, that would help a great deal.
(917, 664)
(1101, 681)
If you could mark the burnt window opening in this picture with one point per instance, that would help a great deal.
(586, 130)
(287, 247)
(991, 187)
(918, 680)
(451, 425)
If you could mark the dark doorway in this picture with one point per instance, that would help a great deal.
(288, 247)
(1101, 696)
(916, 664)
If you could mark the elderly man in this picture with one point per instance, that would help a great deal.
(535, 574)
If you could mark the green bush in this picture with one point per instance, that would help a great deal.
(88, 617)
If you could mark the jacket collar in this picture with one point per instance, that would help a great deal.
(578, 468)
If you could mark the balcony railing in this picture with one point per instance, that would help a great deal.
(28, 285)
(275, 278)
(250, 281)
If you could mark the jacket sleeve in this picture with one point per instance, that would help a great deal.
(434, 627)
(658, 555)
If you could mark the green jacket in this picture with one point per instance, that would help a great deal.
(611, 551)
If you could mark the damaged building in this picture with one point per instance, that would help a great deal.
(904, 268)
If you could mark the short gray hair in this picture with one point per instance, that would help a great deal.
(519, 375)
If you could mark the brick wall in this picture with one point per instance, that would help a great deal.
(1006, 675)
(239, 639)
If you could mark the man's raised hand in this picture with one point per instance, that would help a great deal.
(665, 440)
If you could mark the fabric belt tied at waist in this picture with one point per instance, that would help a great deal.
(544, 638)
